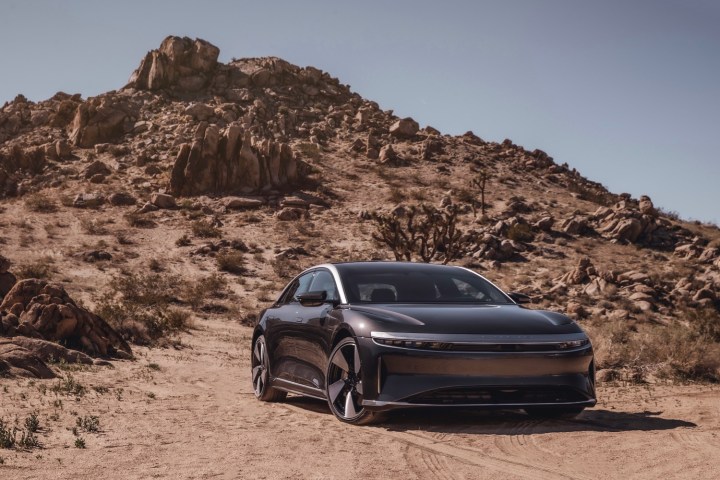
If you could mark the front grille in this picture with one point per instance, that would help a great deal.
(498, 396)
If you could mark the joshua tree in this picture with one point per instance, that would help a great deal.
(420, 231)
(479, 182)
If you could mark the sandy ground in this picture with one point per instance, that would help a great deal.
(191, 413)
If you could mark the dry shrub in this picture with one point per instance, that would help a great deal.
(93, 226)
(41, 269)
(205, 229)
(232, 262)
(39, 202)
(196, 292)
(139, 220)
(144, 308)
(677, 351)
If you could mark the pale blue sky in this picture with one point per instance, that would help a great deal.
(628, 92)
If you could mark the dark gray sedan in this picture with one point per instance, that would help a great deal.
(373, 336)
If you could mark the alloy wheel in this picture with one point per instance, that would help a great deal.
(344, 380)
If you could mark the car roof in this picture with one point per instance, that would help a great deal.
(385, 266)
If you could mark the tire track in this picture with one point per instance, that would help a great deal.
(519, 440)
(428, 465)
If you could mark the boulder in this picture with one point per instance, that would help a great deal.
(7, 279)
(289, 214)
(163, 200)
(574, 225)
(102, 119)
(646, 206)
(406, 127)
(545, 223)
(239, 203)
(18, 361)
(580, 274)
(200, 111)
(387, 154)
(122, 199)
(88, 200)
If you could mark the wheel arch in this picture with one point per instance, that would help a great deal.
(342, 332)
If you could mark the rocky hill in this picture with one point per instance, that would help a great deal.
(199, 188)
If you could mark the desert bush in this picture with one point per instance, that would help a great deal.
(183, 241)
(41, 269)
(32, 422)
(308, 150)
(396, 194)
(232, 262)
(7, 435)
(196, 292)
(69, 386)
(205, 229)
(145, 306)
(93, 226)
(41, 203)
(422, 231)
(675, 351)
(139, 220)
(89, 423)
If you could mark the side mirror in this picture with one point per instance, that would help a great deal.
(520, 298)
(312, 299)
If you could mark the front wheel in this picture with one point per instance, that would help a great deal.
(344, 385)
(261, 373)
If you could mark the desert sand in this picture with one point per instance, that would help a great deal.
(191, 413)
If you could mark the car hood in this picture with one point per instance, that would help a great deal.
(465, 319)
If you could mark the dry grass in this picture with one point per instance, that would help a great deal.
(205, 229)
(677, 351)
(231, 262)
(40, 203)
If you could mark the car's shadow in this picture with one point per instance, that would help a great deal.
(507, 422)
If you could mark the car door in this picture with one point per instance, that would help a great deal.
(283, 322)
(318, 325)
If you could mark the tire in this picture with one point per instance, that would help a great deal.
(343, 386)
(554, 412)
(260, 373)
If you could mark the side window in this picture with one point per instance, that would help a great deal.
(299, 286)
(324, 281)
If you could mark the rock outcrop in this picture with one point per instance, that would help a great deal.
(38, 309)
(181, 63)
(102, 119)
(231, 161)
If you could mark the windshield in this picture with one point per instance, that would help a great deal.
(447, 285)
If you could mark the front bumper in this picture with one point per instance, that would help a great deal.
(396, 377)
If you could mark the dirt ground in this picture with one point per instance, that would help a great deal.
(191, 413)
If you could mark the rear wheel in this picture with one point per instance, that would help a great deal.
(554, 412)
(261, 373)
(344, 385)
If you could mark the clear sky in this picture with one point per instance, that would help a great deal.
(626, 91)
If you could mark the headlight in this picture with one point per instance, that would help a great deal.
(573, 344)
